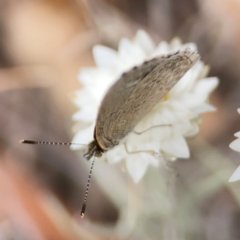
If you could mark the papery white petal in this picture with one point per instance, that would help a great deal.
(84, 137)
(116, 154)
(182, 126)
(196, 70)
(206, 86)
(96, 83)
(88, 114)
(137, 164)
(235, 176)
(175, 44)
(237, 134)
(178, 108)
(81, 98)
(191, 100)
(235, 145)
(79, 126)
(193, 131)
(87, 76)
(159, 116)
(125, 46)
(204, 72)
(182, 84)
(155, 160)
(192, 46)
(167, 115)
(143, 142)
(144, 41)
(105, 57)
(186, 83)
(205, 107)
(162, 48)
(157, 133)
(176, 145)
(130, 54)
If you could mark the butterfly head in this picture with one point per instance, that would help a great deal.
(93, 150)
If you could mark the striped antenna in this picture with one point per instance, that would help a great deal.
(90, 173)
(87, 189)
(49, 143)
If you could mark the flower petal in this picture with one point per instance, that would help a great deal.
(105, 57)
(175, 44)
(176, 145)
(235, 176)
(237, 134)
(83, 98)
(193, 131)
(191, 101)
(83, 137)
(143, 142)
(130, 54)
(87, 76)
(137, 164)
(85, 114)
(183, 85)
(192, 46)
(205, 107)
(144, 41)
(162, 48)
(235, 145)
(206, 86)
(116, 154)
(155, 160)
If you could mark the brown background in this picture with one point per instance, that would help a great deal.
(43, 44)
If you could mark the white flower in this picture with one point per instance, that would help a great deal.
(235, 145)
(179, 109)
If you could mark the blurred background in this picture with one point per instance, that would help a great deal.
(43, 44)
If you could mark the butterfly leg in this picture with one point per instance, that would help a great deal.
(134, 152)
(165, 163)
(157, 126)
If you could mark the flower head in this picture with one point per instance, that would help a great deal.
(235, 145)
(163, 130)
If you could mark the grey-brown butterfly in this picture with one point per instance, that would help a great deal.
(130, 98)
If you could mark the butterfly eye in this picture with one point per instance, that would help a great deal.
(98, 154)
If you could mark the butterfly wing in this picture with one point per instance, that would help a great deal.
(136, 93)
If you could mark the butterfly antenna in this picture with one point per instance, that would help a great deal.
(87, 189)
(49, 143)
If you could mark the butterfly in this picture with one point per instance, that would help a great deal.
(131, 98)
